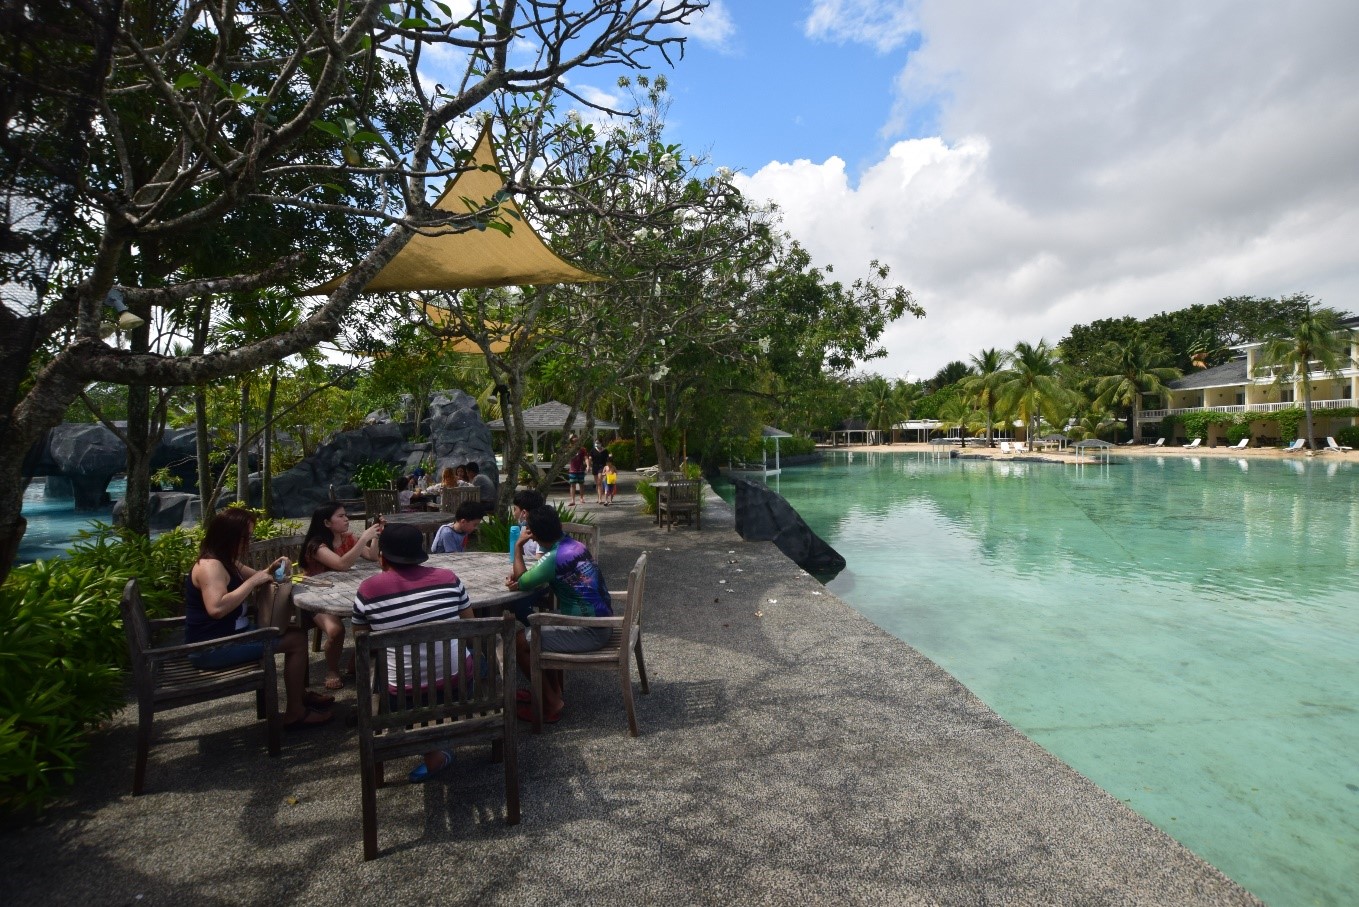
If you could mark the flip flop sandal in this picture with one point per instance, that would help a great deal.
(317, 701)
(335, 682)
(303, 724)
(421, 773)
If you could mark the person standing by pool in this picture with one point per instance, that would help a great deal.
(405, 594)
(329, 545)
(575, 470)
(216, 592)
(599, 455)
(569, 571)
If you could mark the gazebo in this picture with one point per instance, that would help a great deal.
(767, 431)
(549, 418)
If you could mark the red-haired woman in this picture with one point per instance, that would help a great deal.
(216, 593)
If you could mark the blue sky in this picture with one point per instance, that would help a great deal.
(1026, 167)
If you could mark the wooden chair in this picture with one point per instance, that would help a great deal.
(450, 498)
(681, 500)
(263, 553)
(624, 643)
(475, 709)
(379, 502)
(164, 678)
(352, 506)
(583, 533)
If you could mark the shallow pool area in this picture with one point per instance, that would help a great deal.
(1181, 630)
(53, 523)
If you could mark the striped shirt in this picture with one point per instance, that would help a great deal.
(406, 596)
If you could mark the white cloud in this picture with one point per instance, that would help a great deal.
(1094, 162)
(885, 26)
(713, 26)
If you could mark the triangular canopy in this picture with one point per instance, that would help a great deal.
(476, 258)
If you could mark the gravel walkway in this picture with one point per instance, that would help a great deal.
(791, 753)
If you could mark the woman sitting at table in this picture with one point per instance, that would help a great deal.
(329, 545)
(569, 571)
(215, 595)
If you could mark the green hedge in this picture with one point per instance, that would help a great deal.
(62, 652)
(1348, 436)
(625, 454)
(1196, 423)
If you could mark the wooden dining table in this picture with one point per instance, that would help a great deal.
(482, 573)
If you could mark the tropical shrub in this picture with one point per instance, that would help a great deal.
(494, 533)
(1348, 436)
(1237, 432)
(374, 474)
(60, 658)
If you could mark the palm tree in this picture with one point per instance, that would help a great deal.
(1317, 341)
(1031, 388)
(1093, 423)
(982, 387)
(1135, 372)
(956, 413)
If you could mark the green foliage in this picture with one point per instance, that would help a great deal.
(1237, 432)
(625, 454)
(647, 489)
(1238, 424)
(372, 475)
(494, 532)
(59, 674)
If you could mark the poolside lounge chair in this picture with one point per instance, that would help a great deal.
(1194, 443)
(1295, 446)
(1005, 447)
(1331, 445)
(1240, 445)
(1021, 447)
(1160, 442)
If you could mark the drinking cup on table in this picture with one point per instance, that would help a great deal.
(281, 571)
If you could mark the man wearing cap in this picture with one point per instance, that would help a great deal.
(405, 594)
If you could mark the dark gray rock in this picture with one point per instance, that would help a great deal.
(763, 515)
(165, 509)
(457, 435)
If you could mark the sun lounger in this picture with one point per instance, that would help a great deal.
(1160, 442)
(1194, 443)
(1240, 445)
(1331, 445)
(1021, 447)
(1295, 446)
(1005, 447)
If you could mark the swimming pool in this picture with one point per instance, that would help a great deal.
(1182, 631)
(53, 524)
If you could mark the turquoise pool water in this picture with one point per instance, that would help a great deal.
(53, 524)
(1182, 631)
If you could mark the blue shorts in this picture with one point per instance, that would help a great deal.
(575, 478)
(237, 653)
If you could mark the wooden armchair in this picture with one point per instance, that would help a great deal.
(352, 506)
(262, 554)
(586, 534)
(616, 655)
(464, 709)
(379, 502)
(682, 499)
(164, 678)
(450, 498)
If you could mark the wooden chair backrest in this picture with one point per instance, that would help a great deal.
(632, 612)
(589, 535)
(430, 665)
(263, 553)
(683, 493)
(450, 498)
(138, 633)
(379, 501)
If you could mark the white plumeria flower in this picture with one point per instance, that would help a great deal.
(660, 373)
(764, 344)
(640, 234)
(724, 174)
(668, 163)
(574, 117)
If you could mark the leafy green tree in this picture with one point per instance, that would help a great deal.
(1032, 389)
(171, 151)
(1135, 372)
(1316, 341)
(948, 376)
(982, 386)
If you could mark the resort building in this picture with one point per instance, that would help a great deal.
(1235, 387)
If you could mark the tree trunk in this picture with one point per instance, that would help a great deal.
(243, 447)
(135, 513)
(267, 465)
(1136, 418)
(207, 500)
(1307, 410)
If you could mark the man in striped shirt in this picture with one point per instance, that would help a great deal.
(405, 594)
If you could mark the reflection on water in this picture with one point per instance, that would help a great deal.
(1180, 630)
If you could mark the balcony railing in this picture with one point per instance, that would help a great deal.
(1152, 415)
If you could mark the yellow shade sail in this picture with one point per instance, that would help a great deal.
(476, 258)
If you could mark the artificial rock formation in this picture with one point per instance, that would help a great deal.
(763, 515)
